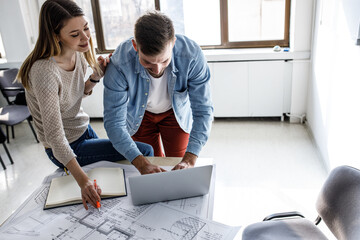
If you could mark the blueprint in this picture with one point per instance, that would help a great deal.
(118, 218)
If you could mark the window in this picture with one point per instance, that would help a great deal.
(199, 20)
(211, 23)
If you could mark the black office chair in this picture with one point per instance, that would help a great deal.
(13, 113)
(339, 203)
(338, 206)
(8, 87)
(2, 140)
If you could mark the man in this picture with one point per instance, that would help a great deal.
(156, 88)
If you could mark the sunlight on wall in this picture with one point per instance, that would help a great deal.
(344, 131)
(336, 86)
(320, 106)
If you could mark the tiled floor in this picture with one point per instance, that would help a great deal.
(263, 166)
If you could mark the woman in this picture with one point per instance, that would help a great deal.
(53, 76)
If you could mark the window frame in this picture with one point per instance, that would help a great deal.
(224, 31)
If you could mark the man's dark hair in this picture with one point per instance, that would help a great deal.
(152, 32)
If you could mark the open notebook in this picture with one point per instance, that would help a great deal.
(65, 191)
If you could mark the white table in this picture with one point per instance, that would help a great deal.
(118, 218)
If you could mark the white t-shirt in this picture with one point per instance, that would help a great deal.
(159, 98)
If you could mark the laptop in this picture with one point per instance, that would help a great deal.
(171, 185)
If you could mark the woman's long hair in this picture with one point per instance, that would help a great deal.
(53, 14)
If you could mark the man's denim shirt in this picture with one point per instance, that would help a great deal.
(126, 88)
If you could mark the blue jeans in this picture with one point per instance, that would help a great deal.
(89, 148)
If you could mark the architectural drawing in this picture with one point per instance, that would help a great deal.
(118, 219)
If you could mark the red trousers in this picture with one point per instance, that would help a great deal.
(163, 127)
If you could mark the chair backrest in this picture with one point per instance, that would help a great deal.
(8, 87)
(338, 203)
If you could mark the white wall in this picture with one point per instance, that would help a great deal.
(333, 109)
(300, 40)
(14, 34)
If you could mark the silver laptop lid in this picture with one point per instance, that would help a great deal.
(164, 186)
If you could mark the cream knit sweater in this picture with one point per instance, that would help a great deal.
(54, 100)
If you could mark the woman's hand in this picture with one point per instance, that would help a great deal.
(90, 193)
(103, 62)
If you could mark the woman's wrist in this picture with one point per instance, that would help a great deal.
(77, 172)
(94, 79)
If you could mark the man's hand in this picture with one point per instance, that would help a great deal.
(145, 167)
(188, 161)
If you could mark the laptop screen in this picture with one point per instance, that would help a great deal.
(164, 186)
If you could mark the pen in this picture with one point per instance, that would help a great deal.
(98, 205)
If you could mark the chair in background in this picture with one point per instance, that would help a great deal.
(338, 206)
(8, 87)
(2, 140)
(13, 113)
(339, 203)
